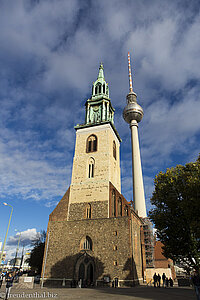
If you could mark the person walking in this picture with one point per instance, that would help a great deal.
(166, 282)
(1, 279)
(170, 282)
(158, 279)
(163, 279)
(9, 284)
(155, 280)
(196, 283)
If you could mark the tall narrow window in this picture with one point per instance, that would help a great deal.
(119, 207)
(95, 90)
(91, 144)
(114, 202)
(91, 168)
(126, 210)
(88, 211)
(100, 89)
(104, 88)
(114, 150)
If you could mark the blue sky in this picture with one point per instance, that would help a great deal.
(49, 56)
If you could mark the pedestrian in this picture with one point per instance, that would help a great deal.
(9, 283)
(158, 279)
(167, 282)
(196, 283)
(1, 279)
(155, 280)
(170, 282)
(163, 279)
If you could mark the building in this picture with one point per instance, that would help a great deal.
(161, 264)
(4, 254)
(21, 262)
(94, 235)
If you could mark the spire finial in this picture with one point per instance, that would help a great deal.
(101, 75)
(130, 76)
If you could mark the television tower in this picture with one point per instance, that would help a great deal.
(133, 114)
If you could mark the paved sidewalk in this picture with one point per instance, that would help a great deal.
(136, 293)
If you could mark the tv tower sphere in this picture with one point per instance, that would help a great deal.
(132, 111)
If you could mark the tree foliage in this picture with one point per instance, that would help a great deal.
(37, 252)
(176, 213)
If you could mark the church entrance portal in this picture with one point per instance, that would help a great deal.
(84, 270)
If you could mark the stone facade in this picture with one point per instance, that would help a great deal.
(116, 250)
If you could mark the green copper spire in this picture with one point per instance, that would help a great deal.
(98, 108)
(100, 86)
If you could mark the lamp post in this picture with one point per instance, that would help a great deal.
(45, 260)
(6, 230)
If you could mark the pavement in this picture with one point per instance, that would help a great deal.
(135, 293)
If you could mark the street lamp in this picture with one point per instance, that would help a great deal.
(6, 230)
(45, 260)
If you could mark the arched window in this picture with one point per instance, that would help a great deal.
(91, 144)
(95, 90)
(114, 202)
(114, 150)
(99, 88)
(126, 210)
(88, 211)
(86, 243)
(104, 89)
(119, 207)
(91, 168)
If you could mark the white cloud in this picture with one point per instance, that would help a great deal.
(25, 237)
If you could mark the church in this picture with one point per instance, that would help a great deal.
(94, 235)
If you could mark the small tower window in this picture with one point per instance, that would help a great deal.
(104, 88)
(100, 89)
(91, 144)
(86, 243)
(114, 202)
(91, 168)
(114, 150)
(126, 210)
(88, 211)
(120, 207)
(95, 90)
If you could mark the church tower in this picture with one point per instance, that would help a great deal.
(94, 236)
(97, 154)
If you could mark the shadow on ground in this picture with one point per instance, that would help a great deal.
(141, 292)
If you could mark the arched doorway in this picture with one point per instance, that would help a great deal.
(85, 270)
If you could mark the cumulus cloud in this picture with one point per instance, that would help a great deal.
(25, 237)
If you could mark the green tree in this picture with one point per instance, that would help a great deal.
(176, 213)
(37, 252)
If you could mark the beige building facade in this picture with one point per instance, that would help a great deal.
(94, 236)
